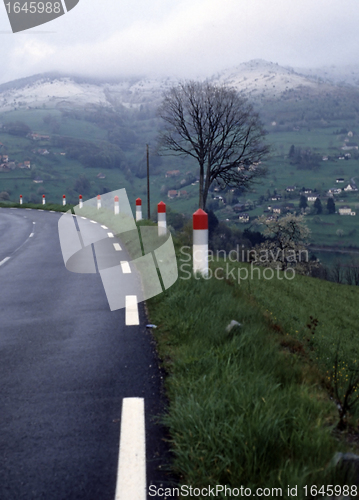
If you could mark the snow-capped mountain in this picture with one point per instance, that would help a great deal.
(347, 75)
(67, 91)
(256, 78)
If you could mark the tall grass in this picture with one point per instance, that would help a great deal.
(242, 411)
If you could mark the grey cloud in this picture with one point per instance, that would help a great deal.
(184, 38)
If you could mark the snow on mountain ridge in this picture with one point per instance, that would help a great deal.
(55, 91)
(65, 91)
(256, 78)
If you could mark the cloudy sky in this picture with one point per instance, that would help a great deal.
(186, 38)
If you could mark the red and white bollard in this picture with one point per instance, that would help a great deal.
(117, 205)
(64, 199)
(200, 242)
(98, 202)
(138, 209)
(162, 224)
(80, 201)
(20, 199)
(43, 199)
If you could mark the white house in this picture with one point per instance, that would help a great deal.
(345, 210)
(351, 187)
(243, 218)
(334, 191)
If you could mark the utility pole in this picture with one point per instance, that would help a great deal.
(148, 184)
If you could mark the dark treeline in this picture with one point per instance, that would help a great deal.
(91, 154)
(345, 273)
(303, 158)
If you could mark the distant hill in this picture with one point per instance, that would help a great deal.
(258, 79)
(347, 75)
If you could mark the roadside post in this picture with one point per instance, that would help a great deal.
(138, 209)
(161, 217)
(117, 205)
(200, 242)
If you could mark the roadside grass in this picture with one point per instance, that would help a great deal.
(294, 305)
(243, 410)
(37, 206)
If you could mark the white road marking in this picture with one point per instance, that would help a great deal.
(4, 260)
(110, 235)
(125, 266)
(104, 227)
(40, 209)
(28, 208)
(52, 211)
(34, 222)
(117, 247)
(131, 471)
(93, 221)
(132, 317)
(31, 235)
(83, 218)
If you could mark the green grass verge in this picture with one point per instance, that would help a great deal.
(37, 206)
(243, 409)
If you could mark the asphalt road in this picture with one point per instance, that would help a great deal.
(67, 362)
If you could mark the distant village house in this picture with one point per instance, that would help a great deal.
(345, 210)
(243, 218)
(172, 173)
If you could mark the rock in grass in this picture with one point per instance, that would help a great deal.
(349, 464)
(232, 324)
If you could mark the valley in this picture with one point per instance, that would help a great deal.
(65, 135)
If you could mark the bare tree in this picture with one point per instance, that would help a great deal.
(218, 127)
(337, 272)
(352, 272)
